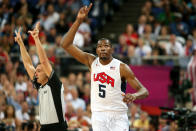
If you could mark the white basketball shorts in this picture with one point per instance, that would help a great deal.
(110, 121)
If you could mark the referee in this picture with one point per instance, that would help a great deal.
(50, 88)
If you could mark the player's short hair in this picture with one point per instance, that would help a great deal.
(106, 39)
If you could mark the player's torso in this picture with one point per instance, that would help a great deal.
(106, 94)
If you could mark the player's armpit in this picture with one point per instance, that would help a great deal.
(126, 73)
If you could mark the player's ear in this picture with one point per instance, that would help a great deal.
(96, 51)
(112, 49)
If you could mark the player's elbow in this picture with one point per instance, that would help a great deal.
(63, 45)
(146, 93)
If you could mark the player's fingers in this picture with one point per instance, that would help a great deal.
(16, 32)
(90, 6)
(82, 9)
(125, 100)
(37, 25)
(30, 32)
(123, 94)
(19, 30)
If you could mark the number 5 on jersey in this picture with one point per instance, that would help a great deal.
(102, 91)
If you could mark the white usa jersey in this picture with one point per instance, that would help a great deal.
(107, 87)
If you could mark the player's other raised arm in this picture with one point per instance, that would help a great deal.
(41, 52)
(67, 41)
(25, 56)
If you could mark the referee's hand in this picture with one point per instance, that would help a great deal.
(128, 98)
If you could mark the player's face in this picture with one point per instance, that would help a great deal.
(40, 74)
(104, 49)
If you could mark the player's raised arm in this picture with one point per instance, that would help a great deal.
(141, 93)
(67, 41)
(25, 56)
(41, 52)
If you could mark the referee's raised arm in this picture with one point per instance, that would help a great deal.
(41, 53)
(25, 56)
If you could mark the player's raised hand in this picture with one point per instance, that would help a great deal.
(35, 31)
(129, 98)
(83, 12)
(18, 37)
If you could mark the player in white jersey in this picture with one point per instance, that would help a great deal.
(109, 112)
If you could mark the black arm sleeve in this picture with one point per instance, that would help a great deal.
(54, 81)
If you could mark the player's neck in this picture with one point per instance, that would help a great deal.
(44, 82)
(105, 62)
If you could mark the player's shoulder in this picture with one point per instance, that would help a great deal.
(124, 67)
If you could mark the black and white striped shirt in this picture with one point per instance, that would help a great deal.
(51, 100)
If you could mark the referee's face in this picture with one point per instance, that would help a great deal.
(40, 74)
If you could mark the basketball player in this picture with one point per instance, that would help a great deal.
(50, 89)
(108, 75)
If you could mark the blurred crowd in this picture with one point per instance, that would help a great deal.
(165, 28)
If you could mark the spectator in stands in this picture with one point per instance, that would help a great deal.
(142, 50)
(70, 112)
(86, 96)
(23, 115)
(80, 85)
(133, 114)
(122, 48)
(141, 25)
(49, 18)
(51, 35)
(32, 98)
(33, 55)
(130, 36)
(174, 48)
(2, 104)
(20, 84)
(164, 37)
(85, 30)
(178, 27)
(148, 36)
(3, 56)
(77, 102)
(192, 11)
(142, 123)
(194, 37)
(15, 99)
(147, 11)
(71, 80)
(81, 118)
(176, 6)
(163, 126)
(59, 51)
(62, 24)
(51, 54)
(88, 111)
(11, 70)
(79, 40)
(87, 77)
(188, 48)
(60, 6)
(191, 75)
(12, 123)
